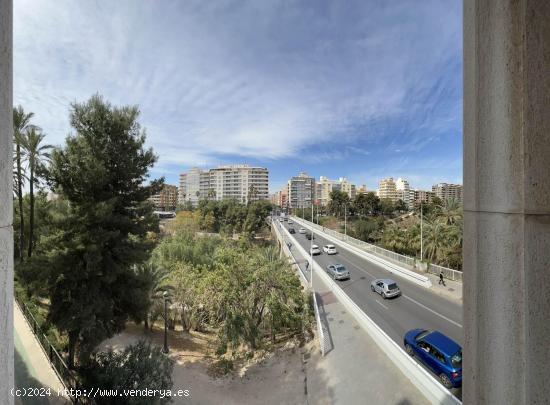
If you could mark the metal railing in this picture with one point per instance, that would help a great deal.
(451, 274)
(66, 376)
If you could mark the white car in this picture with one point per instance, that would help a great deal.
(290, 221)
(302, 230)
(330, 249)
(315, 250)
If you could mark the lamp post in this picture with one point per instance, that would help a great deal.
(165, 296)
(421, 241)
(310, 250)
(346, 219)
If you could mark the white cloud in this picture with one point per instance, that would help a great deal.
(259, 79)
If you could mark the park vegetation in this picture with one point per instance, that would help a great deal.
(91, 258)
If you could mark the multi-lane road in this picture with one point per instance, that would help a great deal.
(417, 307)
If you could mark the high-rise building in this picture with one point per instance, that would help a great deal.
(301, 191)
(362, 189)
(194, 186)
(239, 182)
(166, 199)
(387, 189)
(404, 192)
(445, 191)
(325, 186)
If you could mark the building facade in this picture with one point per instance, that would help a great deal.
(387, 189)
(445, 191)
(404, 192)
(194, 186)
(325, 186)
(422, 196)
(301, 191)
(242, 183)
(166, 199)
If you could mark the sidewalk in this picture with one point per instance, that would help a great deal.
(32, 368)
(452, 289)
(354, 369)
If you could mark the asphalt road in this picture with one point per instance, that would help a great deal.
(417, 307)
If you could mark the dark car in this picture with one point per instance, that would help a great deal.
(291, 230)
(438, 352)
(310, 236)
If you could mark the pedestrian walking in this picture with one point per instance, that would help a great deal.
(441, 280)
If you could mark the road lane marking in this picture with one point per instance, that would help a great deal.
(378, 302)
(353, 264)
(432, 311)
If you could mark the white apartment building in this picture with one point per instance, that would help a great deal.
(404, 192)
(325, 186)
(238, 182)
(301, 191)
(387, 189)
(194, 185)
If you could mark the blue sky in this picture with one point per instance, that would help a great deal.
(362, 89)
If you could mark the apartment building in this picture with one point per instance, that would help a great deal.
(387, 189)
(280, 198)
(243, 183)
(404, 192)
(194, 186)
(239, 182)
(325, 186)
(362, 189)
(301, 191)
(446, 190)
(166, 199)
(422, 196)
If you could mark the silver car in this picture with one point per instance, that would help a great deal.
(338, 272)
(386, 287)
(314, 250)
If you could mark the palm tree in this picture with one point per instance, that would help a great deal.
(155, 277)
(450, 212)
(435, 241)
(36, 155)
(20, 124)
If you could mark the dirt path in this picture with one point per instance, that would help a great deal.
(278, 379)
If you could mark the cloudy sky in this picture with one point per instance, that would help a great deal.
(362, 89)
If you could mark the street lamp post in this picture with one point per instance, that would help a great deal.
(421, 241)
(310, 250)
(165, 348)
(346, 219)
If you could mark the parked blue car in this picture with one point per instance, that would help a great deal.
(438, 352)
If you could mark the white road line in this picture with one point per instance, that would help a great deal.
(405, 296)
(378, 302)
(432, 311)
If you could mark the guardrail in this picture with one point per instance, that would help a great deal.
(286, 250)
(393, 268)
(451, 274)
(424, 381)
(58, 364)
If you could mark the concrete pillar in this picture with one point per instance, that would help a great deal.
(6, 215)
(506, 202)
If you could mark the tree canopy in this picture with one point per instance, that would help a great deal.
(101, 171)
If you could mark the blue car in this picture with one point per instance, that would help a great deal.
(438, 352)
